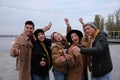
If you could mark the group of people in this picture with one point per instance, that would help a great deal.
(70, 57)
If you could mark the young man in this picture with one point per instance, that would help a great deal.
(99, 50)
(22, 50)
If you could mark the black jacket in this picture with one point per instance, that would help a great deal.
(101, 59)
(37, 54)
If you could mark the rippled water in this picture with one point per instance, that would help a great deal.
(6, 43)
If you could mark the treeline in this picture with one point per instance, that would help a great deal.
(112, 23)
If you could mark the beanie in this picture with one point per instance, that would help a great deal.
(92, 24)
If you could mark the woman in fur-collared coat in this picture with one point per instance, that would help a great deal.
(59, 47)
(58, 56)
(76, 64)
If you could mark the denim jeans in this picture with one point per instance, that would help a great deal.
(105, 77)
(36, 77)
(58, 75)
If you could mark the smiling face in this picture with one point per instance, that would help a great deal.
(41, 36)
(28, 29)
(75, 39)
(57, 37)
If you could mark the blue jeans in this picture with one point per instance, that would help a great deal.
(58, 75)
(105, 77)
(36, 77)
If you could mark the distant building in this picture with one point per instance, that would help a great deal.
(114, 34)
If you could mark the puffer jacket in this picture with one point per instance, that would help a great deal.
(101, 59)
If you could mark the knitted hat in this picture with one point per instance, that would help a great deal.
(79, 33)
(92, 24)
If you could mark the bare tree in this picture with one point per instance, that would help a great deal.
(97, 20)
(117, 18)
(102, 24)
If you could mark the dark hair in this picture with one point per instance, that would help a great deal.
(68, 36)
(29, 23)
(38, 31)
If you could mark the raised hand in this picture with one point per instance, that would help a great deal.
(81, 21)
(49, 25)
(67, 21)
(46, 28)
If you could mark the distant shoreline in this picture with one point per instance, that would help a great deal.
(8, 35)
(109, 40)
(48, 36)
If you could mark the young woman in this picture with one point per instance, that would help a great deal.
(58, 55)
(75, 60)
(41, 56)
(59, 47)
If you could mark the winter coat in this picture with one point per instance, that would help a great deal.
(101, 59)
(56, 54)
(23, 44)
(38, 54)
(75, 65)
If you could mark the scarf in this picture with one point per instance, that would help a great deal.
(43, 45)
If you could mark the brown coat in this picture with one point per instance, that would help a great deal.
(23, 44)
(75, 65)
(57, 64)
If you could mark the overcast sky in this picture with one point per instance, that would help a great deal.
(14, 13)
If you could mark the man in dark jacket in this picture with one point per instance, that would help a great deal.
(99, 50)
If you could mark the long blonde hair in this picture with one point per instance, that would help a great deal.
(52, 36)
